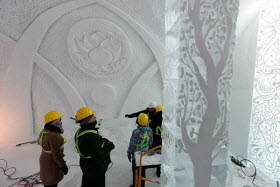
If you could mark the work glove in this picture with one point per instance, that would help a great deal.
(65, 169)
(106, 141)
(127, 116)
(110, 145)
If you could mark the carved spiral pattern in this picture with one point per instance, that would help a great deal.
(264, 138)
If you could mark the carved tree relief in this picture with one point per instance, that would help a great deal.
(205, 71)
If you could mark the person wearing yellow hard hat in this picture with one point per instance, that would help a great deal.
(156, 126)
(52, 164)
(94, 150)
(143, 137)
(156, 123)
(150, 111)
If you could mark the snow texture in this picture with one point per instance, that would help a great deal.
(26, 161)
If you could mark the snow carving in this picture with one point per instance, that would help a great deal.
(205, 72)
(264, 139)
(103, 94)
(98, 47)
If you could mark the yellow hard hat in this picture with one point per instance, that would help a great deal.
(51, 116)
(143, 119)
(83, 113)
(159, 108)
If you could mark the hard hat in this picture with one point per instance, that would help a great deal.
(83, 113)
(159, 108)
(143, 119)
(51, 116)
(152, 105)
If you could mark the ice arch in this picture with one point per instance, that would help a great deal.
(16, 98)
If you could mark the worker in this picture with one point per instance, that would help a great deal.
(156, 127)
(52, 165)
(143, 137)
(150, 111)
(94, 150)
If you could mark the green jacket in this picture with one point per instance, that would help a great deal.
(91, 144)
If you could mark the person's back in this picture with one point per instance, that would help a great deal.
(150, 111)
(139, 135)
(94, 150)
(52, 164)
(91, 144)
(142, 136)
(156, 126)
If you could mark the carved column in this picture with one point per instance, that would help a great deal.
(264, 148)
(170, 82)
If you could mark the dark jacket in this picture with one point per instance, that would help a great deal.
(90, 144)
(156, 122)
(51, 164)
(136, 114)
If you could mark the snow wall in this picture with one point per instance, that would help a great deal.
(62, 55)
(58, 65)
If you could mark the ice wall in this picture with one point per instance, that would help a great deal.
(61, 55)
(207, 40)
(264, 138)
(244, 59)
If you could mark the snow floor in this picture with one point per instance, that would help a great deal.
(26, 160)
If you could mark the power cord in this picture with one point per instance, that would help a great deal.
(28, 181)
(73, 165)
(242, 163)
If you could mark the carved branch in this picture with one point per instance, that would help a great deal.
(198, 75)
(191, 110)
(219, 47)
(201, 46)
(224, 57)
(204, 16)
(212, 25)
(188, 55)
(221, 131)
(226, 72)
(186, 104)
(202, 2)
(190, 10)
(185, 63)
(216, 45)
(186, 139)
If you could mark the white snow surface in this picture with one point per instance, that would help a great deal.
(26, 160)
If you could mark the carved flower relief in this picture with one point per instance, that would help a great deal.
(99, 47)
(100, 51)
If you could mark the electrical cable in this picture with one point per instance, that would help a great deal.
(73, 165)
(28, 181)
(242, 163)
